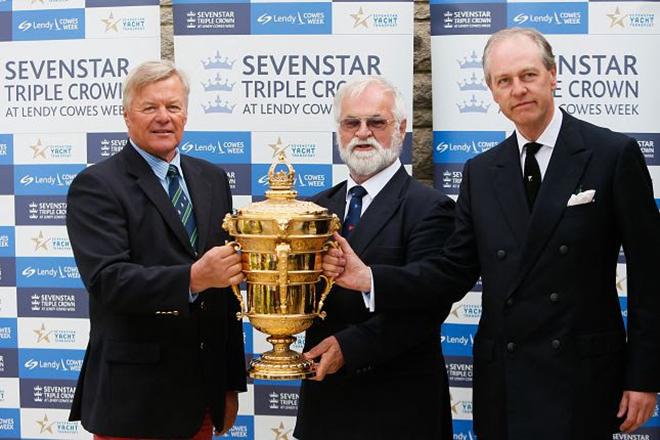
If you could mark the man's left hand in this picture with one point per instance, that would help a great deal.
(231, 409)
(332, 358)
(637, 407)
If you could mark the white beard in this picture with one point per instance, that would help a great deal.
(368, 163)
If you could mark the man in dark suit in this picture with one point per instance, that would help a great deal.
(165, 357)
(551, 356)
(379, 375)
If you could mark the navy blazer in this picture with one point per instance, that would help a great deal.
(551, 355)
(154, 362)
(394, 382)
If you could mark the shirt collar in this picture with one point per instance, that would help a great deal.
(549, 136)
(158, 165)
(377, 182)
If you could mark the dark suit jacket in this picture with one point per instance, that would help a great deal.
(394, 382)
(154, 361)
(551, 356)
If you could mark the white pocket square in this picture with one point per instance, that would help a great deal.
(582, 197)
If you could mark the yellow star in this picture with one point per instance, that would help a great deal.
(360, 18)
(280, 432)
(278, 147)
(110, 23)
(455, 311)
(39, 149)
(617, 18)
(39, 242)
(44, 425)
(42, 334)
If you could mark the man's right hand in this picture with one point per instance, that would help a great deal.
(218, 267)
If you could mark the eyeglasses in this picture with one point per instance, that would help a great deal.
(374, 124)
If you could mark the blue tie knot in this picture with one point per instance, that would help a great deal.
(172, 172)
(354, 210)
(358, 191)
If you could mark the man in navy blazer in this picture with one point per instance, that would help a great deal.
(379, 375)
(541, 218)
(165, 357)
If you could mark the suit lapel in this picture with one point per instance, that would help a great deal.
(567, 164)
(147, 181)
(379, 212)
(509, 189)
(200, 192)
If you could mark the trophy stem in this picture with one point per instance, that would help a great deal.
(281, 363)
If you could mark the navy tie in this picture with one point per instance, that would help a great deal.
(182, 204)
(354, 210)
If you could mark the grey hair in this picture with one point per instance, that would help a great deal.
(356, 86)
(545, 49)
(150, 72)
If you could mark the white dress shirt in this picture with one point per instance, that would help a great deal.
(547, 139)
(373, 185)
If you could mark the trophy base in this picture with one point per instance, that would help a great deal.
(287, 365)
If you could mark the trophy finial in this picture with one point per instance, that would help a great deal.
(281, 182)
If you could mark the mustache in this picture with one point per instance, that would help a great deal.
(371, 141)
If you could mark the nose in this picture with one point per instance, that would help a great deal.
(162, 114)
(519, 88)
(364, 131)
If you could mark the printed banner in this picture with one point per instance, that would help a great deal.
(607, 67)
(62, 65)
(263, 77)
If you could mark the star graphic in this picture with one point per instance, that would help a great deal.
(40, 242)
(42, 334)
(360, 18)
(278, 147)
(39, 149)
(454, 408)
(455, 311)
(110, 23)
(44, 425)
(619, 283)
(280, 432)
(617, 18)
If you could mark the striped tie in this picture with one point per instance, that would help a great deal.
(182, 204)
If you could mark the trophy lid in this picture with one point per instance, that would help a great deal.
(281, 197)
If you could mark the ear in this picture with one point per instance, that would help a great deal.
(553, 76)
(402, 128)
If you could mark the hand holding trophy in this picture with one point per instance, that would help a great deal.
(282, 241)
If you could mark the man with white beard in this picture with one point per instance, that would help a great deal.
(378, 375)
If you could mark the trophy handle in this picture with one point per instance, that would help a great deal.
(329, 282)
(234, 287)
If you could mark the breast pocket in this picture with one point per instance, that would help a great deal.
(584, 210)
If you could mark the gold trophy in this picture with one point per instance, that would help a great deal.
(282, 240)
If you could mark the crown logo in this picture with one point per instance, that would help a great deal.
(217, 62)
(219, 106)
(472, 84)
(218, 85)
(471, 62)
(472, 106)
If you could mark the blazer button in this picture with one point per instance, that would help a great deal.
(511, 347)
(501, 254)
(175, 312)
(556, 344)
(554, 297)
(509, 302)
(201, 346)
(563, 249)
(202, 305)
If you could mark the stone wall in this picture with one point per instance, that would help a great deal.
(422, 128)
